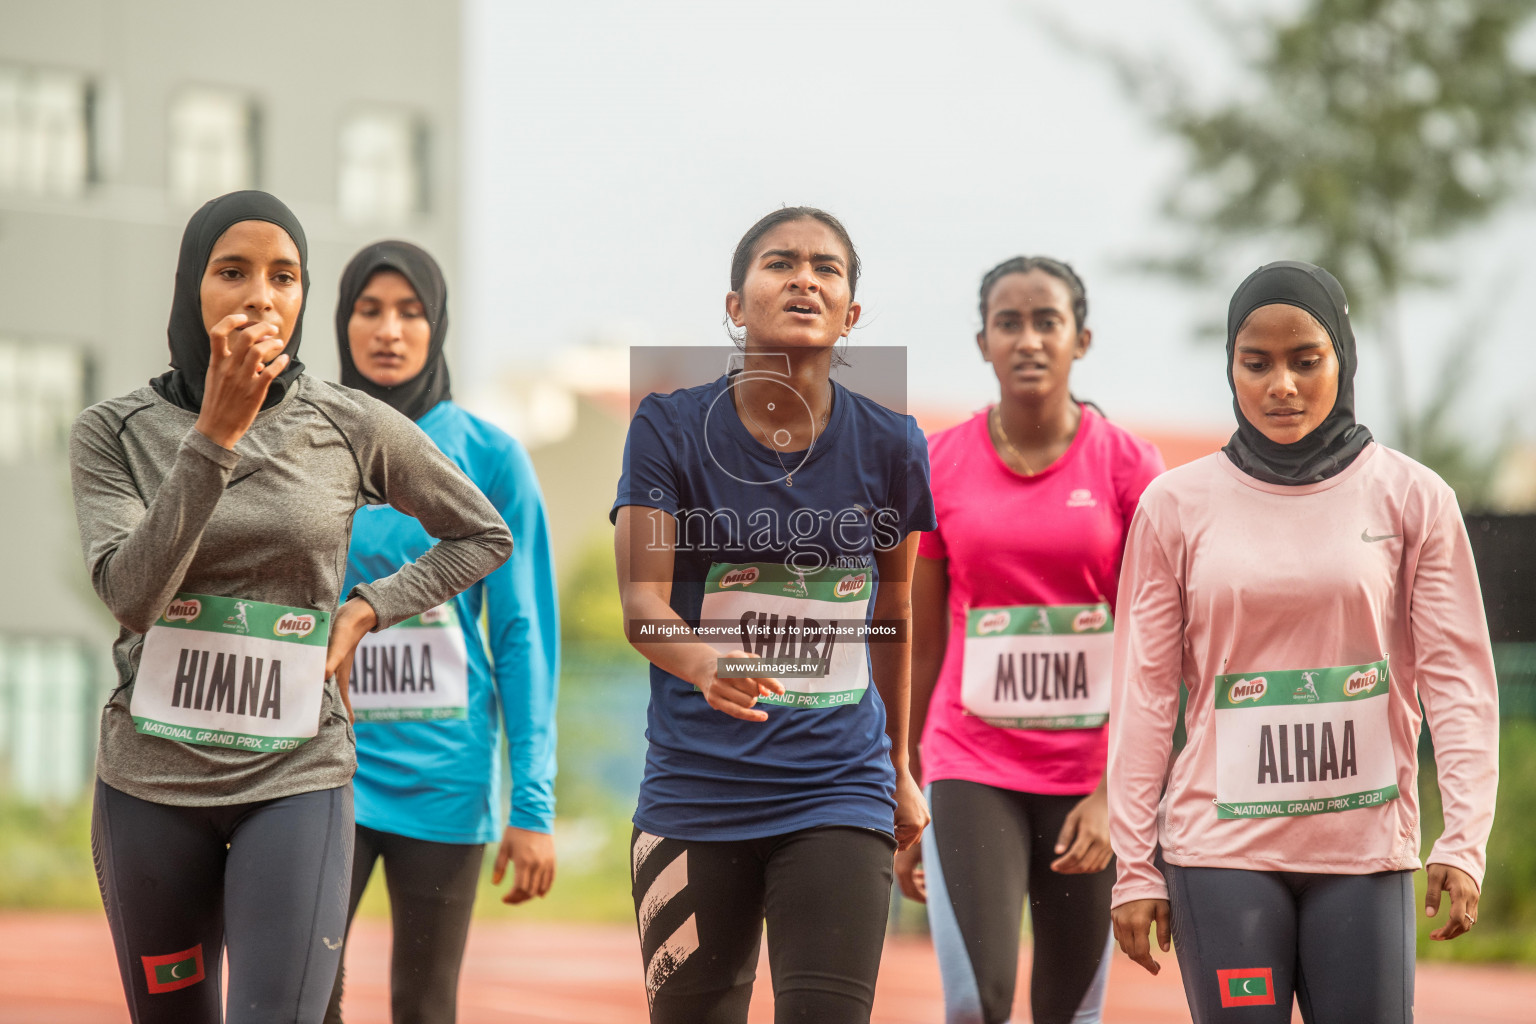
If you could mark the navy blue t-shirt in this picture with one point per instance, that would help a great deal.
(862, 485)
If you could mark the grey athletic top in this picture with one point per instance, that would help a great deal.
(163, 510)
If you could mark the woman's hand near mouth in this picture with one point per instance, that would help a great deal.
(245, 357)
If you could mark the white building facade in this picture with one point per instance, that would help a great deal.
(118, 118)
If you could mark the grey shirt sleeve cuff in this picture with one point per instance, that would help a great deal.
(386, 615)
(215, 453)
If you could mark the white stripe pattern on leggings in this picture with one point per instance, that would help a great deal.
(671, 955)
(684, 940)
(644, 844)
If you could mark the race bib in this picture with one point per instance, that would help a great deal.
(1038, 666)
(414, 671)
(227, 672)
(1308, 742)
(808, 628)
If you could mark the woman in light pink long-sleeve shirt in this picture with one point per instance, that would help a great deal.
(1310, 587)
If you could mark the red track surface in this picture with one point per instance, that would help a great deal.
(59, 969)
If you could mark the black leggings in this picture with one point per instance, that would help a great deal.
(1248, 940)
(700, 906)
(986, 848)
(267, 880)
(431, 897)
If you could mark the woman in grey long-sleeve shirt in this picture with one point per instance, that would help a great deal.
(215, 508)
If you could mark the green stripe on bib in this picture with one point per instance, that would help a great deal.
(1039, 620)
(1308, 686)
(1294, 808)
(241, 617)
(1046, 722)
(823, 699)
(217, 737)
(404, 714)
(834, 585)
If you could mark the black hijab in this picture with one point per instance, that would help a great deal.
(415, 397)
(1327, 450)
(183, 385)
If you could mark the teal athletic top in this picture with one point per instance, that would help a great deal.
(439, 779)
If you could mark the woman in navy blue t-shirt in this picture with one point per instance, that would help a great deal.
(771, 517)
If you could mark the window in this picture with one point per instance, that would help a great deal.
(213, 143)
(42, 388)
(50, 701)
(382, 177)
(45, 131)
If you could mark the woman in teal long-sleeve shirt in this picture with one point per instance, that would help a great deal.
(432, 695)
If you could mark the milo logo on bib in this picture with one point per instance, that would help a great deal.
(230, 672)
(183, 611)
(806, 626)
(294, 625)
(1309, 741)
(1038, 666)
(415, 671)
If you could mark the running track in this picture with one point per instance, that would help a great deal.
(59, 969)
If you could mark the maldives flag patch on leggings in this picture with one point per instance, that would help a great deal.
(1247, 986)
(173, 970)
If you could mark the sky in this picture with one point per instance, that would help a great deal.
(616, 151)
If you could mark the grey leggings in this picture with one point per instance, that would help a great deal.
(267, 881)
(1248, 940)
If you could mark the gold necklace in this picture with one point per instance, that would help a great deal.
(995, 421)
(789, 476)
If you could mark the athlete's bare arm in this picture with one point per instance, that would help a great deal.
(891, 666)
(930, 637)
(645, 591)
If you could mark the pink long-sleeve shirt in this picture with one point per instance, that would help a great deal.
(1273, 603)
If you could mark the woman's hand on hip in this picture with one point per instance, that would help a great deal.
(244, 358)
(352, 621)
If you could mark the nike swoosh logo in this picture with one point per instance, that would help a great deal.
(1365, 535)
(238, 479)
